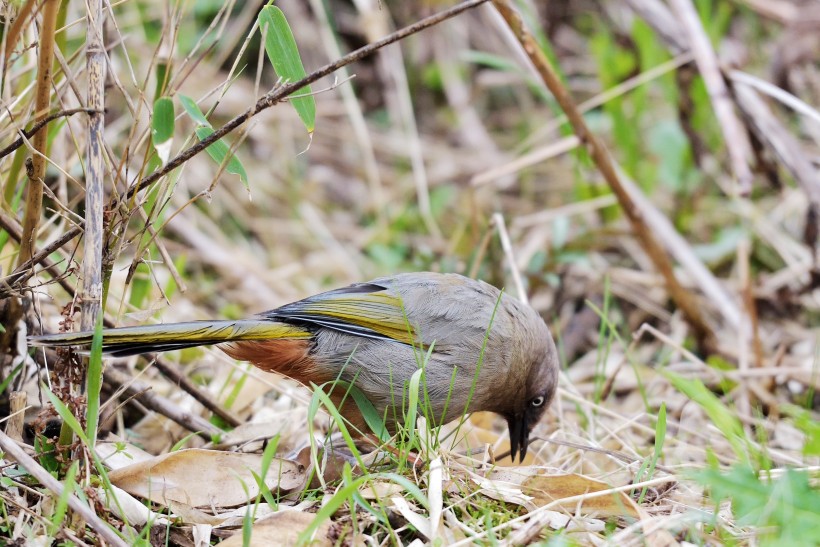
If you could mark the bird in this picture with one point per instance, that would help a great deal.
(481, 349)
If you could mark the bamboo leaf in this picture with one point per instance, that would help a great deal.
(219, 151)
(284, 56)
(193, 110)
(162, 122)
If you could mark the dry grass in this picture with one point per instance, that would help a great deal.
(446, 153)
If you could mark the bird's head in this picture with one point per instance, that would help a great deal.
(535, 379)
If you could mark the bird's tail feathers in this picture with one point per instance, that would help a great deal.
(125, 341)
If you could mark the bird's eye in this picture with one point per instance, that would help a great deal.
(536, 402)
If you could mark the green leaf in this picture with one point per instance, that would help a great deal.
(162, 122)
(369, 413)
(806, 423)
(284, 56)
(219, 151)
(94, 383)
(62, 502)
(789, 504)
(193, 110)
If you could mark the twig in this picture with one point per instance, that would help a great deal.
(28, 133)
(778, 139)
(42, 98)
(354, 113)
(657, 14)
(35, 470)
(23, 272)
(170, 371)
(777, 93)
(782, 11)
(14, 30)
(478, 258)
(612, 453)
(734, 132)
(161, 405)
(16, 232)
(501, 226)
(600, 156)
(539, 155)
(564, 502)
(17, 407)
(391, 62)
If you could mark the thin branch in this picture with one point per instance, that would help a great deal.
(600, 156)
(14, 229)
(169, 370)
(28, 133)
(23, 272)
(160, 404)
(501, 226)
(778, 140)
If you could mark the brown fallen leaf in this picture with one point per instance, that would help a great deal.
(205, 478)
(282, 529)
(546, 489)
(532, 488)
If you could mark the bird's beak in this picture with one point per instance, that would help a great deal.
(519, 435)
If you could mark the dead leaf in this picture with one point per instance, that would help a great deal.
(531, 488)
(205, 478)
(282, 529)
(546, 489)
(379, 490)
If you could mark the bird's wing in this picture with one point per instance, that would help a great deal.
(363, 309)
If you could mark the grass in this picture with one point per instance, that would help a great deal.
(389, 174)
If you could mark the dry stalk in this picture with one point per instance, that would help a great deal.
(600, 156)
(91, 296)
(42, 98)
(16, 29)
(506, 245)
(734, 133)
(778, 139)
(161, 405)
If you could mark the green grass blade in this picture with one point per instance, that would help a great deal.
(94, 384)
(62, 502)
(723, 418)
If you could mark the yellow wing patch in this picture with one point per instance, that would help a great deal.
(379, 312)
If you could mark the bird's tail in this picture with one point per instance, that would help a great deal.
(153, 338)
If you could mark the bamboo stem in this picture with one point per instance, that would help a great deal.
(91, 295)
(42, 98)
